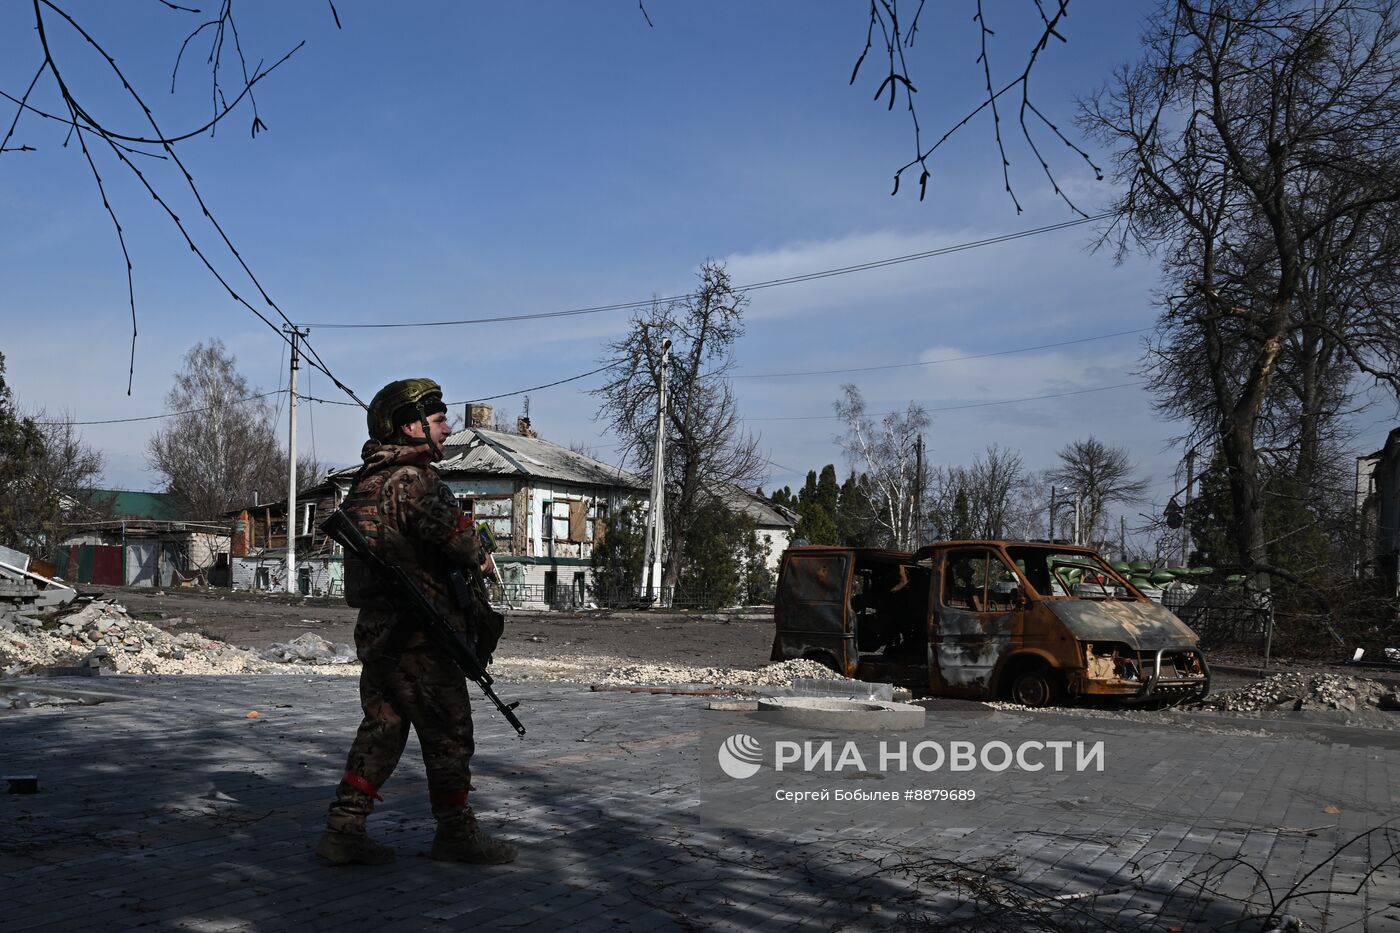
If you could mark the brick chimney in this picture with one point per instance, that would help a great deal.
(522, 427)
(479, 416)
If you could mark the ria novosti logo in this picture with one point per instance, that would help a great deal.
(740, 756)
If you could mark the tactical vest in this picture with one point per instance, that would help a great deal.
(363, 588)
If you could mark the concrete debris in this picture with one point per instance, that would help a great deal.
(102, 634)
(24, 592)
(774, 675)
(26, 699)
(1302, 692)
(310, 649)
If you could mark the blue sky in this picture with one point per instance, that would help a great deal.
(444, 160)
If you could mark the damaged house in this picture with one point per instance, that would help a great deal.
(773, 523)
(546, 506)
(1378, 507)
(140, 541)
(257, 554)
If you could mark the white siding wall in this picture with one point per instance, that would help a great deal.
(327, 574)
(778, 540)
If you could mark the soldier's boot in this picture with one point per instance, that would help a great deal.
(352, 848)
(459, 837)
(345, 842)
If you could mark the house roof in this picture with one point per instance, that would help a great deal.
(479, 451)
(159, 506)
(764, 513)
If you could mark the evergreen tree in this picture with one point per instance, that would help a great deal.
(758, 582)
(711, 564)
(962, 516)
(855, 523)
(618, 558)
(819, 506)
(1298, 542)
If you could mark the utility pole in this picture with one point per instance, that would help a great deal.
(656, 531)
(1078, 511)
(918, 523)
(1051, 535)
(1185, 527)
(296, 334)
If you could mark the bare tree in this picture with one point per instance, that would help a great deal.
(46, 470)
(70, 470)
(706, 449)
(1248, 134)
(1101, 476)
(897, 32)
(989, 499)
(222, 452)
(885, 459)
(148, 154)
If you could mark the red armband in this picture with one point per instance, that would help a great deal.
(463, 523)
(361, 784)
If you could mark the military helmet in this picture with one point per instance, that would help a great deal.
(386, 409)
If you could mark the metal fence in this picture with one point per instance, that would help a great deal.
(1223, 615)
(566, 596)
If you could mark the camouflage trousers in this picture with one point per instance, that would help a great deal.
(423, 691)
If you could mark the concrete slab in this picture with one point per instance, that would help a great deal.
(174, 810)
(841, 713)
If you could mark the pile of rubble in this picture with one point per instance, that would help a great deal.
(1305, 692)
(310, 649)
(102, 634)
(774, 675)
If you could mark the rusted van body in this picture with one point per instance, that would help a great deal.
(1023, 621)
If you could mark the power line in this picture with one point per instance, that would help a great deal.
(754, 286)
(489, 398)
(328, 401)
(815, 372)
(946, 359)
(169, 414)
(1008, 401)
(788, 280)
(547, 385)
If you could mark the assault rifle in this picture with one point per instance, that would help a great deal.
(343, 530)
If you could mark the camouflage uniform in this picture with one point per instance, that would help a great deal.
(411, 519)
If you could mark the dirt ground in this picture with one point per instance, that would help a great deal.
(740, 640)
(552, 645)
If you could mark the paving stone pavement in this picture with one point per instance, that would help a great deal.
(168, 808)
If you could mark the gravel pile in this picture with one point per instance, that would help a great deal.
(102, 633)
(1305, 692)
(774, 675)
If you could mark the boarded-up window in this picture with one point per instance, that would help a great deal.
(497, 513)
(578, 520)
(560, 521)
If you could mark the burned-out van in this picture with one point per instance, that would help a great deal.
(1021, 621)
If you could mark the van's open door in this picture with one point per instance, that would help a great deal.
(811, 609)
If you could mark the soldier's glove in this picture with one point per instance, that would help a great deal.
(489, 626)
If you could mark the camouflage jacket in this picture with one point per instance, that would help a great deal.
(411, 519)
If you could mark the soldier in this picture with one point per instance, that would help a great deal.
(411, 519)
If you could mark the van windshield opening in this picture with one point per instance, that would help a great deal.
(1054, 572)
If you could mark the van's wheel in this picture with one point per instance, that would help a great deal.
(1035, 688)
